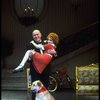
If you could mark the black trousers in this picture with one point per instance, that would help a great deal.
(44, 77)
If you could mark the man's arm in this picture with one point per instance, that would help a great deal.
(29, 46)
(38, 46)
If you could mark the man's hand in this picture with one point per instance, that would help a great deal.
(53, 52)
(40, 46)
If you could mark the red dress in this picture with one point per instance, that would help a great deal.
(40, 61)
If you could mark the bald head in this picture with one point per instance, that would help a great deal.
(36, 31)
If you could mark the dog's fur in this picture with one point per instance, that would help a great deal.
(41, 92)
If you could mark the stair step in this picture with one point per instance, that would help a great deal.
(17, 86)
(13, 81)
(8, 73)
(14, 95)
(13, 78)
(15, 75)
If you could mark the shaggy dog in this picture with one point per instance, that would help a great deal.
(41, 92)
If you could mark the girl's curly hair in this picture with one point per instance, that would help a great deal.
(54, 36)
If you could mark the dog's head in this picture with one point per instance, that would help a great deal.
(37, 86)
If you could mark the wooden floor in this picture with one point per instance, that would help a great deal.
(58, 95)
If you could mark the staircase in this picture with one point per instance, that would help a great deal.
(13, 81)
(14, 85)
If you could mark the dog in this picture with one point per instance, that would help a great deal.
(41, 92)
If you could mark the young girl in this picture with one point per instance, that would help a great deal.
(40, 61)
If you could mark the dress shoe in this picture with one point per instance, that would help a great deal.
(18, 70)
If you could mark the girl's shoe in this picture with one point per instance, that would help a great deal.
(18, 70)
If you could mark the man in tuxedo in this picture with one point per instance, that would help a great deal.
(44, 77)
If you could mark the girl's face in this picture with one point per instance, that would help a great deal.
(50, 40)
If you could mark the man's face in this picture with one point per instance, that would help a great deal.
(36, 36)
